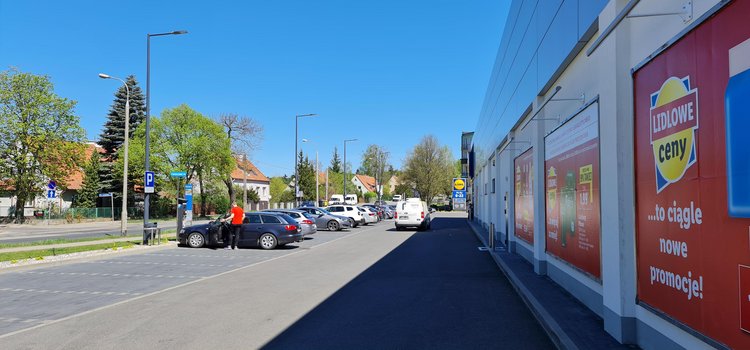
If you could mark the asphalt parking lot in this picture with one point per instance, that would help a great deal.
(43, 295)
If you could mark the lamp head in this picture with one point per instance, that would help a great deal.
(104, 76)
(178, 32)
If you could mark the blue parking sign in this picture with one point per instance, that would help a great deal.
(149, 182)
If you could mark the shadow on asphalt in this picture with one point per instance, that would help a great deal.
(436, 290)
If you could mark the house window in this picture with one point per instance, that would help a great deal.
(493, 185)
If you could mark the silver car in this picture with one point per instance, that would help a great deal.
(305, 220)
(326, 219)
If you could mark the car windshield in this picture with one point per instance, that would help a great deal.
(308, 215)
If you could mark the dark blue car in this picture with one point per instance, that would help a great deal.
(264, 230)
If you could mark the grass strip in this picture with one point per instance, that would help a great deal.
(74, 240)
(40, 254)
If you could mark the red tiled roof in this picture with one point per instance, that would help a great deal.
(368, 181)
(75, 180)
(253, 173)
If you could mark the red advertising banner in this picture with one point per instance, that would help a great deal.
(524, 203)
(692, 227)
(571, 162)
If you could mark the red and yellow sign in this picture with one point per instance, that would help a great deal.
(692, 256)
(572, 191)
(524, 196)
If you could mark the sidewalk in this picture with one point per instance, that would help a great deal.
(570, 324)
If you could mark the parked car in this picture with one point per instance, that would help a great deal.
(380, 203)
(396, 197)
(412, 212)
(370, 215)
(378, 210)
(306, 223)
(260, 229)
(355, 217)
(326, 219)
(388, 211)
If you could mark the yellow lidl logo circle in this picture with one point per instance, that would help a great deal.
(459, 184)
(673, 125)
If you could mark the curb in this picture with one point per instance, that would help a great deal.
(550, 325)
(74, 244)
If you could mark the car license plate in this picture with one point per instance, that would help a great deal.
(405, 217)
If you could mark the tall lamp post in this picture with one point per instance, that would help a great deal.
(124, 211)
(147, 163)
(345, 141)
(317, 173)
(296, 176)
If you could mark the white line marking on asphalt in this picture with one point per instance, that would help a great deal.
(152, 263)
(103, 274)
(51, 322)
(45, 291)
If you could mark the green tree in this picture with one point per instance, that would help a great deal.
(90, 188)
(306, 171)
(113, 135)
(40, 137)
(430, 168)
(277, 187)
(183, 140)
(335, 161)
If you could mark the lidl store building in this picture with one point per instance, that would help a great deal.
(612, 152)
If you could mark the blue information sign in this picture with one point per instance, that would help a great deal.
(148, 183)
(51, 194)
(459, 194)
(189, 197)
(178, 174)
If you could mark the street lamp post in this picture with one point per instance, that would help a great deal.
(345, 141)
(147, 163)
(124, 211)
(296, 175)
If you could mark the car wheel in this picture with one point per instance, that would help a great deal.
(333, 226)
(196, 240)
(267, 241)
(352, 223)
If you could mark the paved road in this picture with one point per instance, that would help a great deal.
(370, 287)
(29, 233)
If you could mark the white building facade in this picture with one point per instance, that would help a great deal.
(608, 154)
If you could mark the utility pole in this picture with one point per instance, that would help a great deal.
(317, 179)
(327, 194)
(244, 173)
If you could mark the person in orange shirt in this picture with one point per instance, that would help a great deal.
(236, 216)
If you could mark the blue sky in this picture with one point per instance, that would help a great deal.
(386, 72)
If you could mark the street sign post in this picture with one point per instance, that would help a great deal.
(178, 174)
(188, 204)
(149, 182)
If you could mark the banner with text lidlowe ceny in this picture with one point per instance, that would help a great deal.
(571, 162)
(692, 119)
(524, 193)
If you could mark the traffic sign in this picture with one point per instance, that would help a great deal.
(104, 195)
(178, 174)
(459, 194)
(52, 184)
(51, 194)
(189, 197)
(148, 183)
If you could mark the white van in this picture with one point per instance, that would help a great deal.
(396, 197)
(412, 212)
(350, 199)
(336, 199)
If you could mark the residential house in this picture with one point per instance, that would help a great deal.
(364, 183)
(247, 175)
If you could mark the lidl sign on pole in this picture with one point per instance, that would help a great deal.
(459, 184)
(459, 187)
(149, 182)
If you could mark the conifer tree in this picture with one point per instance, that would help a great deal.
(335, 161)
(89, 192)
(113, 135)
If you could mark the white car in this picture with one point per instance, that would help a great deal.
(350, 199)
(370, 216)
(412, 212)
(336, 199)
(396, 197)
(350, 211)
